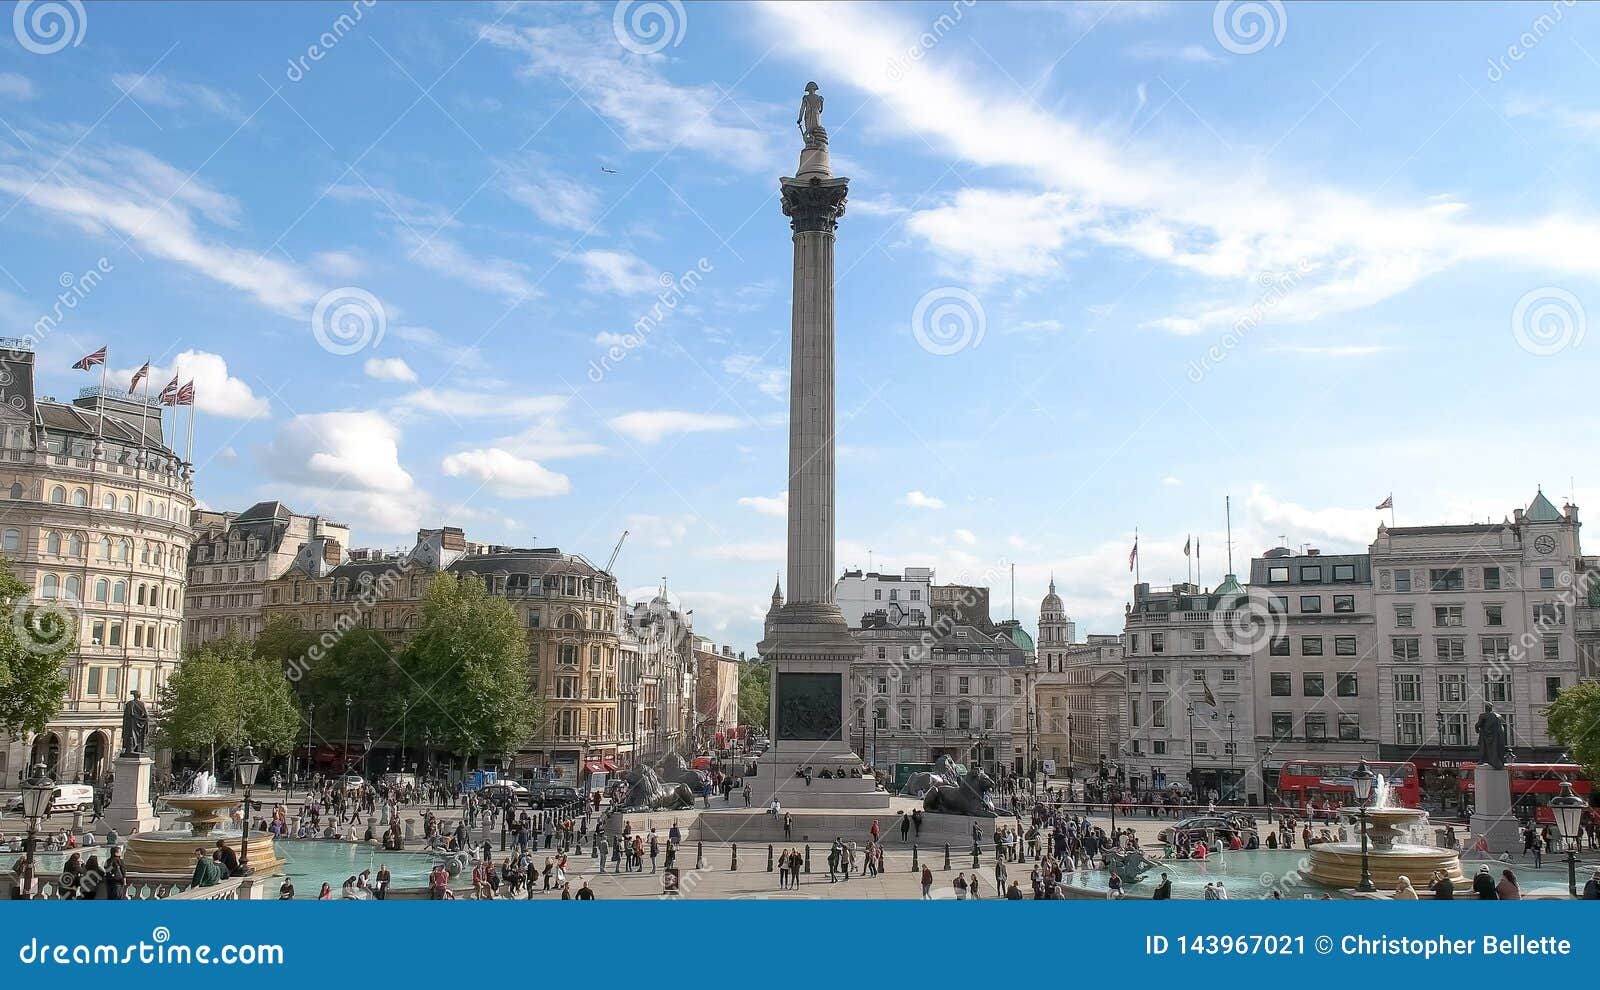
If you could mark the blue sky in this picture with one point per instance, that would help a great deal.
(1103, 265)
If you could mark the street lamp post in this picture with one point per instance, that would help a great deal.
(1194, 775)
(366, 750)
(246, 766)
(1362, 781)
(36, 795)
(348, 702)
(1568, 809)
(1233, 758)
(427, 751)
(311, 717)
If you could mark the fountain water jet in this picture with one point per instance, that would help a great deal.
(1391, 851)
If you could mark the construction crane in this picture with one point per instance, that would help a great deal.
(616, 550)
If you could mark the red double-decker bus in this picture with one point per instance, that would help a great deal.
(1320, 785)
(1534, 784)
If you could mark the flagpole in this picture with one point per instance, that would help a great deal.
(100, 428)
(1227, 504)
(1199, 575)
(144, 410)
(1136, 579)
(1188, 562)
(190, 457)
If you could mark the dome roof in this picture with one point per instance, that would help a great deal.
(1021, 638)
(1052, 601)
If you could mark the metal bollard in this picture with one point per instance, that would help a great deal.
(974, 857)
(913, 857)
(734, 865)
(808, 858)
(699, 855)
(769, 857)
(947, 855)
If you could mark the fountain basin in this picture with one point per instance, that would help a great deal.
(1389, 856)
(171, 850)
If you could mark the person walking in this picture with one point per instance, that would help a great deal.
(927, 883)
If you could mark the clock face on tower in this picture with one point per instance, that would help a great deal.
(1545, 544)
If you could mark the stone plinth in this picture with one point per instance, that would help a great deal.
(129, 811)
(1492, 817)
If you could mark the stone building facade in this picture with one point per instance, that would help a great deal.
(97, 524)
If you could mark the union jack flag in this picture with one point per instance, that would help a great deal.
(138, 376)
(186, 394)
(98, 357)
(169, 394)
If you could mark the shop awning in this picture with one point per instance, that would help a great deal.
(601, 766)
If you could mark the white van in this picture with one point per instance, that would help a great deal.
(67, 799)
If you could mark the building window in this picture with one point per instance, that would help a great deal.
(1344, 603)
(1310, 574)
(1552, 688)
(1316, 727)
(1547, 578)
(1158, 643)
(1552, 645)
(1344, 572)
(1494, 647)
(1402, 582)
(1159, 748)
(938, 684)
(1408, 728)
(1407, 649)
(1447, 615)
(1344, 646)
(1446, 579)
(1277, 575)
(1311, 646)
(1278, 604)
(1491, 579)
(1455, 729)
(1346, 685)
(1402, 616)
(1278, 646)
(1311, 603)
(1158, 675)
(1549, 614)
(1311, 685)
(1494, 615)
(1452, 688)
(1451, 648)
(1282, 687)
(1200, 642)
(1229, 675)
(1408, 688)
(1282, 725)
(1496, 687)
(963, 685)
(1200, 747)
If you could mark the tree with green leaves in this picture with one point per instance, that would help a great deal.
(466, 672)
(1575, 722)
(221, 696)
(37, 637)
(755, 686)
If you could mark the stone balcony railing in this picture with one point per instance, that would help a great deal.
(148, 888)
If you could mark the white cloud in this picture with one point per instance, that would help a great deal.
(506, 474)
(767, 505)
(1193, 214)
(1033, 326)
(339, 264)
(653, 426)
(770, 381)
(659, 531)
(389, 370)
(15, 86)
(346, 465)
(555, 199)
(1172, 482)
(1333, 350)
(462, 404)
(919, 500)
(632, 92)
(215, 391)
(1151, 51)
(549, 439)
(498, 276)
(163, 91)
(1349, 529)
(119, 192)
(966, 536)
(620, 272)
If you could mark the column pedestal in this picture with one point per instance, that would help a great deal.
(1492, 816)
(130, 812)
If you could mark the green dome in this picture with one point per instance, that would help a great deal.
(1022, 639)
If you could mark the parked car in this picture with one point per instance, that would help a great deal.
(1197, 826)
(66, 799)
(553, 796)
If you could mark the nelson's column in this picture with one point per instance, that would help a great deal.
(808, 642)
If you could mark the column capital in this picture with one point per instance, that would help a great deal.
(814, 205)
